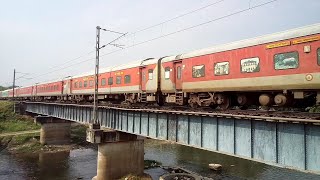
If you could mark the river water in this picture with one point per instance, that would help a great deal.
(81, 164)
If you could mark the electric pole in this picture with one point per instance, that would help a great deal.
(96, 80)
(94, 123)
(13, 83)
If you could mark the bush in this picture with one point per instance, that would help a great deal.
(6, 110)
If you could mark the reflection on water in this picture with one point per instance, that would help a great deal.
(233, 168)
(81, 164)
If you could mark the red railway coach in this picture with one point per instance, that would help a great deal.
(48, 91)
(135, 82)
(276, 69)
(24, 92)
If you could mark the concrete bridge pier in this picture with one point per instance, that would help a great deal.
(119, 154)
(53, 130)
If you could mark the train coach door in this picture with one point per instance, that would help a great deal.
(178, 75)
(143, 78)
(66, 87)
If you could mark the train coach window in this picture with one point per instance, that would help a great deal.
(318, 56)
(198, 71)
(179, 72)
(118, 80)
(221, 68)
(85, 83)
(167, 73)
(250, 65)
(91, 83)
(76, 85)
(127, 79)
(103, 81)
(110, 80)
(289, 60)
(150, 74)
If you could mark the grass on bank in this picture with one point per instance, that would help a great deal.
(11, 122)
(21, 143)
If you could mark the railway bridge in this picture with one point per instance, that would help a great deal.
(288, 142)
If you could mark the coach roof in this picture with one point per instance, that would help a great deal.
(293, 33)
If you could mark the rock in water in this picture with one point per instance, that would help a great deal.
(215, 167)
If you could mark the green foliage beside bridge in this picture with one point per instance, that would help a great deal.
(10, 122)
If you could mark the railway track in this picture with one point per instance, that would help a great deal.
(262, 115)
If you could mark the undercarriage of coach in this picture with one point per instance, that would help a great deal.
(264, 99)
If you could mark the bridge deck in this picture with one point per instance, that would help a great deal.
(279, 142)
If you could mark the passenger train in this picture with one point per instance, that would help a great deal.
(281, 69)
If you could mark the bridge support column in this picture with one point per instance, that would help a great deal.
(19, 108)
(53, 130)
(119, 154)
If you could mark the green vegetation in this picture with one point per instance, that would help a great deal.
(21, 143)
(78, 134)
(10, 122)
(3, 88)
(314, 109)
(151, 164)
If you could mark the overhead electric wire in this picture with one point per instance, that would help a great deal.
(168, 34)
(191, 27)
(177, 17)
(138, 31)
(71, 60)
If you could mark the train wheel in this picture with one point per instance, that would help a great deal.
(223, 101)
(194, 105)
(266, 99)
(282, 100)
(242, 100)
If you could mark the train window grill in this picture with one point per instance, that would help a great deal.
(80, 84)
(85, 83)
(289, 60)
(127, 79)
(76, 85)
(91, 83)
(118, 80)
(143, 76)
(198, 71)
(103, 81)
(110, 80)
(318, 52)
(167, 73)
(250, 65)
(221, 68)
(179, 72)
(150, 74)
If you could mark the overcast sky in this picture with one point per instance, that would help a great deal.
(41, 36)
